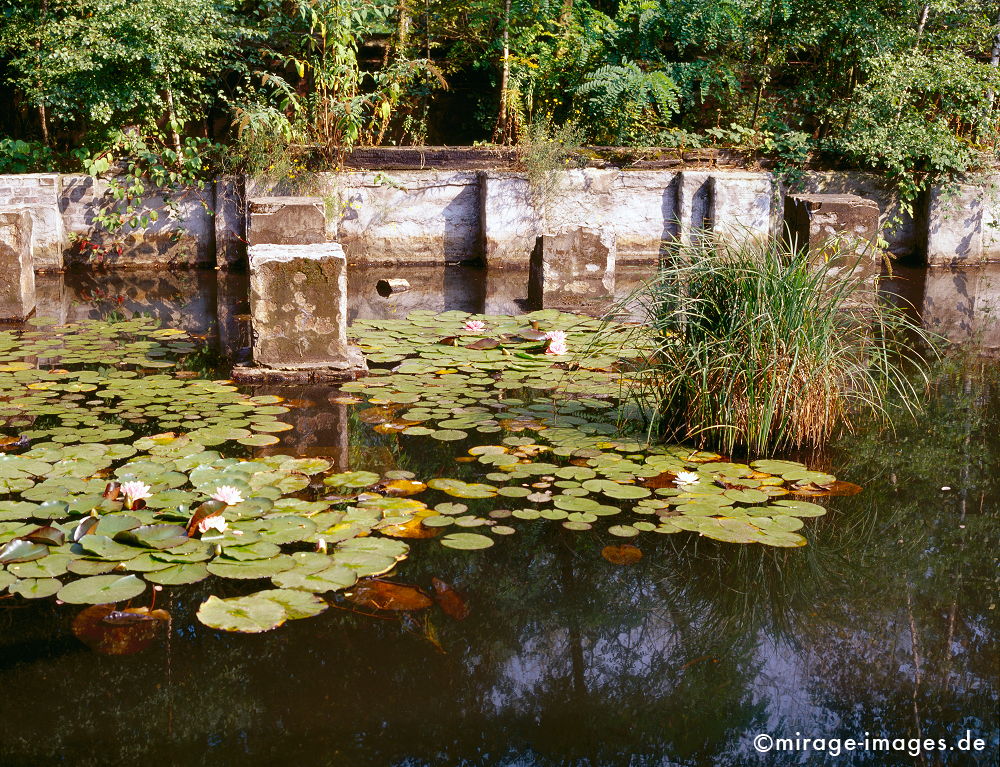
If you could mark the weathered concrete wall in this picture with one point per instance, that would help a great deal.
(403, 217)
(905, 234)
(186, 239)
(38, 194)
(963, 222)
(444, 215)
(639, 206)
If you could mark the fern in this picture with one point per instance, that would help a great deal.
(626, 104)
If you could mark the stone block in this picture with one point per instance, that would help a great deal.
(298, 308)
(38, 193)
(838, 230)
(17, 272)
(571, 268)
(286, 221)
(955, 225)
(740, 205)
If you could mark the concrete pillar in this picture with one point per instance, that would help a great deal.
(287, 221)
(740, 206)
(838, 231)
(571, 267)
(298, 312)
(38, 194)
(17, 270)
(693, 204)
(955, 225)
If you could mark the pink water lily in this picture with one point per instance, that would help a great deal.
(557, 342)
(227, 494)
(135, 491)
(475, 326)
(217, 523)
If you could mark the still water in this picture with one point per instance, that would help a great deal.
(886, 623)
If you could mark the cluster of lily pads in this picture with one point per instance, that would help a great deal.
(450, 377)
(119, 476)
(101, 501)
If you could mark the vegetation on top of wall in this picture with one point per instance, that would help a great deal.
(904, 87)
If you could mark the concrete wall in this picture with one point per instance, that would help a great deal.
(442, 215)
(38, 193)
(183, 235)
(402, 217)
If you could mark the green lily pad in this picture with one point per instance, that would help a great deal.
(102, 589)
(466, 541)
(245, 615)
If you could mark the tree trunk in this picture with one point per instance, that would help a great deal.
(172, 116)
(501, 134)
(995, 58)
(923, 23)
(403, 28)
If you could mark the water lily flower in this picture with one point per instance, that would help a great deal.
(475, 326)
(686, 478)
(227, 494)
(134, 491)
(213, 523)
(557, 342)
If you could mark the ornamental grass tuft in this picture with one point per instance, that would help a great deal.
(759, 349)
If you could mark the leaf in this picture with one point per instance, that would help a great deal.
(245, 615)
(383, 595)
(296, 604)
(449, 600)
(118, 632)
(466, 541)
(19, 550)
(101, 589)
(153, 536)
(623, 554)
(335, 578)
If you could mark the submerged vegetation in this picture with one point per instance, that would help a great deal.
(118, 475)
(760, 347)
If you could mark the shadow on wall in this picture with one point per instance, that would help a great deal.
(182, 235)
(461, 227)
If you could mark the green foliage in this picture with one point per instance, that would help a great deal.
(546, 150)
(905, 87)
(99, 65)
(920, 116)
(759, 348)
(627, 104)
(18, 156)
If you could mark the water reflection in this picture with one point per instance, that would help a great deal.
(885, 623)
(963, 305)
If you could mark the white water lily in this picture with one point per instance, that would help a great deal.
(217, 523)
(475, 326)
(686, 478)
(135, 491)
(228, 495)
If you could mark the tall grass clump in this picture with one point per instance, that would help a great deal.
(758, 349)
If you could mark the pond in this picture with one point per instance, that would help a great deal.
(554, 646)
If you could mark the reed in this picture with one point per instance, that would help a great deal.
(759, 349)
